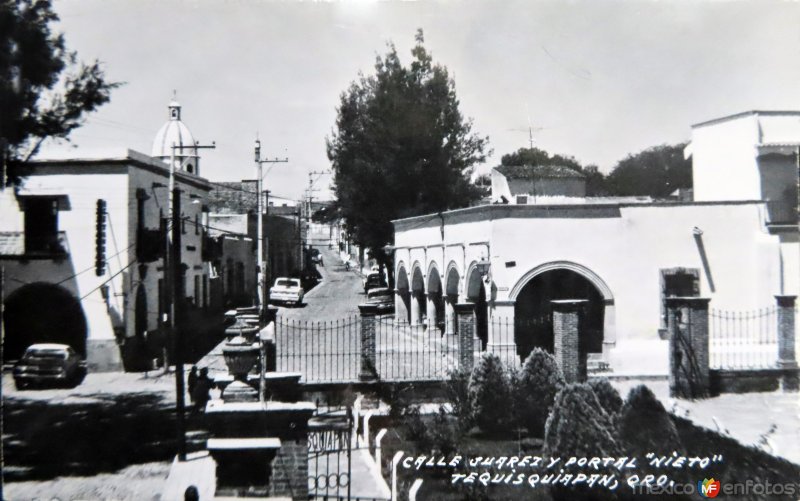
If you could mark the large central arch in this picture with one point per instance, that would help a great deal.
(534, 293)
(43, 313)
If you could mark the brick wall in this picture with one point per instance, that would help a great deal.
(465, 318)
(567, 319)
(290, 469)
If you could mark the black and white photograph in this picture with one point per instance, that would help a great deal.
(399, 250)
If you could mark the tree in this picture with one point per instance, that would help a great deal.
(536, 156)
(595, 180)
(44, 91)
(490, 394)
(401, 147)
(539, 381)
(656, 171)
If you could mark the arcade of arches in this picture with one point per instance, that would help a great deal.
(432, 306)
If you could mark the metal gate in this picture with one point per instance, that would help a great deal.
(329, 456)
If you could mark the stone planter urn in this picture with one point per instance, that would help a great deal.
(240, 356)
(242, 328)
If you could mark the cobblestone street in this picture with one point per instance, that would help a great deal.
(109, 438)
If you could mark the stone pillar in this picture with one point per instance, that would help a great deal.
(430, 308)
(787, 358)
(609, 329)
(416, 314)
(368, 370)
(465, 315)
(688, 347)
(449, 315)
(400, 309)
(567, 319)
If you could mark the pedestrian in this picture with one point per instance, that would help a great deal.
(202, 387)
(192, 382)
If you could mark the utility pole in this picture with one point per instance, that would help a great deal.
(173, 276)
(261, 282)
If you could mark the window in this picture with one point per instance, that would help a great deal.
(522, 199)
(198, 298)
(41, 225)
(678, 282)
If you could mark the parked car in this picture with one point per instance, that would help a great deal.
(316, 257)
(54, 364)
(383, 298)
(373, 280)
(286, 290)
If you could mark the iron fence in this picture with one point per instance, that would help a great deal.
(743, 339)
(407, 352)
(322, 351)
(514, 338)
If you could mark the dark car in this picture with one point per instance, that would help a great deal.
(373, 280)
(383, 298)
(51, 364)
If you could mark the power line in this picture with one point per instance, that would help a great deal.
(109, 279)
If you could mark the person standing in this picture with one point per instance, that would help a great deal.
(192, 382)
(202, 387)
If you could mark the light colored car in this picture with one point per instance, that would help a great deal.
(382, 298)
(49, 363)
(286, 290)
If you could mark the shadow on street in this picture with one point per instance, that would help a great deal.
(44, 440)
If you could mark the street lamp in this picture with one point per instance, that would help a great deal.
(483, 267)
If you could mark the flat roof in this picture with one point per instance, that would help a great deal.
(583, 210)
(747, 113)
(113, 156)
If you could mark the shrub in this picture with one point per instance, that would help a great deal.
(607, 395)
(490, 394)
(645, 426)
(457, 394)
(536, 387)
(415, 427)
(578, 425)
(443, 435)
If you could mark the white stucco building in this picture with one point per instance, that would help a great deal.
(54, 290)
(729, 245)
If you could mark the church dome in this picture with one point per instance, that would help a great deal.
(174, 131)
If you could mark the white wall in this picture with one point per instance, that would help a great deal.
(724, 160)
(626, 252)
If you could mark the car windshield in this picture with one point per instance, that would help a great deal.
(374, 279)
(288, 283)
(378, 293)
(46, 353)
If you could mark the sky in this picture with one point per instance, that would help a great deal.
(597, 80)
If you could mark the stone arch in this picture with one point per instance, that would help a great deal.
(42, 312)
(401, 282)
(435, 298)
(452, 279)
(451, 286)
(533, 295)
(475, 292)
(588, 274)
(403, 294)
(417, 301)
